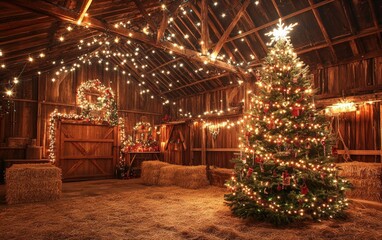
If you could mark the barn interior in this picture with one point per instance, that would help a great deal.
(99, 88)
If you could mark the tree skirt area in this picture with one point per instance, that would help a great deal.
(126, 209)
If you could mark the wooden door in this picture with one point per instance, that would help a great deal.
(86, 151)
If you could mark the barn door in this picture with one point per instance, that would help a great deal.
(86, 151)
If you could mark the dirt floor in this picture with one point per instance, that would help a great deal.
(126, 209)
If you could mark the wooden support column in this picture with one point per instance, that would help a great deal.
(39, 118)
(204, 144)
(205, 34)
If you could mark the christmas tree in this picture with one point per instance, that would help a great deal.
(286, 170)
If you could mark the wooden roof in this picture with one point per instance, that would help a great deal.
(180, 48)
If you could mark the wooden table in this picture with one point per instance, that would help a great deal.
(130, 157)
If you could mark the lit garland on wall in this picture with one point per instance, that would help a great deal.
(105, 103)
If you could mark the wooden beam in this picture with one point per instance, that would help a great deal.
(85, 6)
(304, 10)
(323, 30)
(148, 19)
(163, 26)
(360, 152)
(67, 15)
(375, 20)
(197, 82)
(225, 35)
(205, 34)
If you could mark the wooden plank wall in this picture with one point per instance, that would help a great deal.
(39, 96)
(361, 130)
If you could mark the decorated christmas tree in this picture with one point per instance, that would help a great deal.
(286, 170)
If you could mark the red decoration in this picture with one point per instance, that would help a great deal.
(304, 189)
(250, 171)
(295, 80)
(266, 108)
(286, 178)
(258, 159)
(271, 125)
(295, 111)
(279, 188)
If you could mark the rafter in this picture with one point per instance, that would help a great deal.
(375, 20)
(197, 82)
(304, 10)
(323, 30)
(67, 15)
(85, 6)
(225, 35)
(148, 19)
(352, 23)
(163, 26)
(205, 34)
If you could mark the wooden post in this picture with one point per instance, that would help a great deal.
(38, 134)
(380, 129)
(204, 162)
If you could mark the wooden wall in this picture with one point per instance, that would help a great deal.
(37, 97)
(361, 130)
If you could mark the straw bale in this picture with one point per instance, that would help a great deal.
(366, 179)
(360, 170)
(25, 172)
(150, 171)
(167, 175)
(33, 191)
(191, 177)
(220, 175)
(32, 183)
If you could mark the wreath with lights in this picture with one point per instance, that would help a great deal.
(105, 102)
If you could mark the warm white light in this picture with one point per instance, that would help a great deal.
(9, 92)
(30, 59)
(61, 39)
(341, 107)
(280, 33)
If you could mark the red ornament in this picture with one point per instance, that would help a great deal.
(334, 151)
(295, 80)
(271, 125)
(258, 159)
(295, 111)
(248, 134)
(279, 188)
(304, 189)
(250, 171)
(143, 127)
(266, 108)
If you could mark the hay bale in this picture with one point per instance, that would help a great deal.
(366, 179)
(150, 171)
(191, 177)
(219, 176)
(167, 175)
(32, 183)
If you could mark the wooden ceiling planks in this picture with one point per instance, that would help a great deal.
(328, 29)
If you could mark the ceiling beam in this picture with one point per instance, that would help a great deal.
(85, 6)
(70, 16)
(375, 20)
(163, 26)
(323, 30)
(304, 10)
(148, 19)
(225, 35)
(197, 82)
(205, 34)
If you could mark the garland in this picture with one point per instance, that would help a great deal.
(142, 126)
(105, 102)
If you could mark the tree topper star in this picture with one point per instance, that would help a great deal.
(280, 33)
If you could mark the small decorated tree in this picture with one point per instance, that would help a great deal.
(286, 170)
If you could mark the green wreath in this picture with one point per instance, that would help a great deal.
(105, 102)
